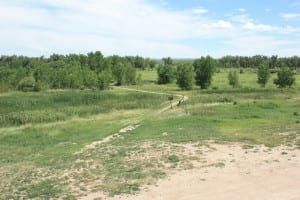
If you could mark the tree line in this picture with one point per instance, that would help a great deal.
(93, 70)
(201, 71)
(72, 71)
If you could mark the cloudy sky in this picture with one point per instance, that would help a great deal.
(150, 28)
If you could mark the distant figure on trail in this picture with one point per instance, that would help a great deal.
(170, 98)
(181, 100)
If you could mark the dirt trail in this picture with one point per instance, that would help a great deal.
(107, 139)
(257, 173)
(182, 98)
(130, 127)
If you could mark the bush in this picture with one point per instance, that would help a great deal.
(263, 75)
(104, 79)
(285, 78)
(28, 84)
(233, 79)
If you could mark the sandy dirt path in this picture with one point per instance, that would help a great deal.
(259, 173)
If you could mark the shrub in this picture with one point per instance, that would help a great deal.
(104, 79)
(233, 79)
(263, 75)
(285, 78)
(28, 84)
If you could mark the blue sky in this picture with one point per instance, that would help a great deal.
(150, 28)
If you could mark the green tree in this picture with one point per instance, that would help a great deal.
(233, 79)
(185, 76)
(124, 73)
(152, 64)
(95, 61)
(166, 74)
(104, 79)
(90, 78)
(285, 78)
(168, 61)
(204, 69)
(263, 75)
(28, 84)
(130, 75)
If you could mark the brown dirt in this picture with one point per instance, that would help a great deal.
(231, 171)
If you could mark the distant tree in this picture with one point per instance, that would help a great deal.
(139, 62)
(152, 64)
(124, 73)
(166, 74)
(95, 61)
(285, 78)
(233, 79)
(90, 78)
(168, 61)
(273, 62)
(185, 76)
(204, 69)
(263, 75)
(130, 75)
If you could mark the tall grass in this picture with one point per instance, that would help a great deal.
(23, 108)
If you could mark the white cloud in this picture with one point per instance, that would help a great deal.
(258, 27)
(290, 16)
(244, 18)
(130, 27)
(199, 11)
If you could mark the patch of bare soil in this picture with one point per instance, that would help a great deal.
(231, 171)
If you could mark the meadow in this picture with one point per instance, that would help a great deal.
(44, 136)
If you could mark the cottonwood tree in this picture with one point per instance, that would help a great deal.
(204, 69)
(185, 76)
(166, 74)
(263, 75)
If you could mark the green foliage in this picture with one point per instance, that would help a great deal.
(90, 78)
(166, 74)
(285, 78)
(104, 79)
(263, 75)
(124, 73)
(185, 76)
(204, 68)
(28, 84)
(95, 61)
(168, 61)
(233, 79)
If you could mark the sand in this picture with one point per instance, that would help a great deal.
(255, 173)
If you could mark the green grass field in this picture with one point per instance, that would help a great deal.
(43, 135)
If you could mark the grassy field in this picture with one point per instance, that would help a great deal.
(44, 136)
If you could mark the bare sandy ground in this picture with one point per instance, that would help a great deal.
(229, 172)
